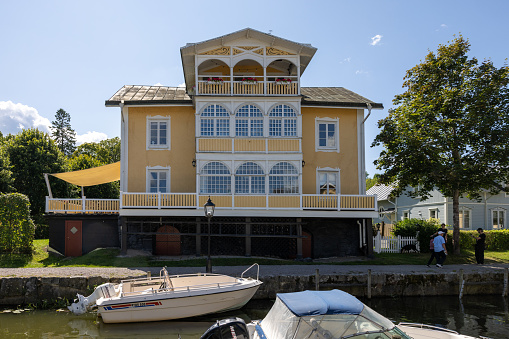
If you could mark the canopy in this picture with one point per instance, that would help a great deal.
(321, 302)
(92, 176)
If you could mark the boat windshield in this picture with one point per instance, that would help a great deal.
(368, 324)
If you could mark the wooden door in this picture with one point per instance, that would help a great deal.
(168, 243)
(73, 238)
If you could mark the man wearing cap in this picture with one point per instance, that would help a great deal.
(439, 248)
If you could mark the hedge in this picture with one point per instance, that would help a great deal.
(16, 227)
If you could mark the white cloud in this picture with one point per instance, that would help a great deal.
(443, 26)
(345, 60)
(182, 85)
(15, 117)
(90, 137)
(158, 84)
(361, 72)
(376, 40)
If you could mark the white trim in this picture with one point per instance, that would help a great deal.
(327, 120)
(435, 209)
(124, 151)
(462, 210)
(158, 118)
(498, 209)
(166, 169)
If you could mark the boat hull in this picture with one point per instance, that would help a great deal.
(168, 306)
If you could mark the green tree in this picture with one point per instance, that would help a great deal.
(449, 129)
(106, 151)
(6, 179)
(62, 132)
(110, 190)
(370, 182)
(33, 153)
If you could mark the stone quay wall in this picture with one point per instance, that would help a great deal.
(17, 291)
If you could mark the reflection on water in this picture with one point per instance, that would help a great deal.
(487, 316)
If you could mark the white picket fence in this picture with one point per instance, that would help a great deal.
(391, 244)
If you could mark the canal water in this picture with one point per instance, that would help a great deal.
(473, 315)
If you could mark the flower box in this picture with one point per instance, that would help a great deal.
(215, 81)
(283, 81)
(249, 81)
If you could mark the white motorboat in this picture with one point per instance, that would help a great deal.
(323, 315)
(168, 297)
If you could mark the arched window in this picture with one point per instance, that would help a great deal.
(282, 121)
(283, 179)
(215, 179)
(249, 122)
(215, 121)
(249, 179)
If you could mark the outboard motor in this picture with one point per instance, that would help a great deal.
(232, 328)
(82, 304)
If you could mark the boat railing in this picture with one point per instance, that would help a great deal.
(429, 327)
(257, 272)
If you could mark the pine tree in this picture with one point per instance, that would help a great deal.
(62, 132)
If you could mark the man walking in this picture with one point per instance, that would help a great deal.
(479, 246)
(439, 248)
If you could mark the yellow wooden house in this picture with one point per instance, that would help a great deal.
(283, 164)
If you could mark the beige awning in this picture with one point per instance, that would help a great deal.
(92, 176)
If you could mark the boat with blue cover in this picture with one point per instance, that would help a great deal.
(323, 315)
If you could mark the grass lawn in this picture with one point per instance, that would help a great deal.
(109, 258)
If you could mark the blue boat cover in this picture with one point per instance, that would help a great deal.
(321, 302)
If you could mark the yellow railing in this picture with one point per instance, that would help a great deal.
(247, 88)
(283, 89)
(192, 200)
(258, 145)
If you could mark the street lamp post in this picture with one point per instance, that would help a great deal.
(209, 213)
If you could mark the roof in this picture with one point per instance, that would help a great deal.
(311, 96)
(382, 191)
(334, 96)
(92, 176)
(321, 302)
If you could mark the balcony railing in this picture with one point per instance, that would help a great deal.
(245, 88)
(196, 201)
(248, 145)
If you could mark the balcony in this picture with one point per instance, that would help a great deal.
(266, 88)
(154, 201)
(248, 145)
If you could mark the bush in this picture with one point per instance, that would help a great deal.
(497, 240)
(410, 227)
(16, 227)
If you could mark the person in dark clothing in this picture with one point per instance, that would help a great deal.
(479, 246)
(432, 250)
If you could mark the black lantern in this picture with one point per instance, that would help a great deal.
(209, 213)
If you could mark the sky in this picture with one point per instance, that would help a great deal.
(75, 55)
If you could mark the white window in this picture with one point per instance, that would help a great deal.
(283, 179)
(158, 180)
(215, 178)
(498, 217)
(158, 132)
(433, 213)
(465, 218)
(406, 215)
(215, 121)
(249, 122)
(326, 135)
(328, 181)
(249, 179)
(282, 121)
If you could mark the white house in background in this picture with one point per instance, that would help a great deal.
(490, 212)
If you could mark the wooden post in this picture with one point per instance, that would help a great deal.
(299, 240)
(317, 280)
(369, 284)
(123, 231)
(461, 283)
(506, 277)
(198, 236)
(248, 237)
